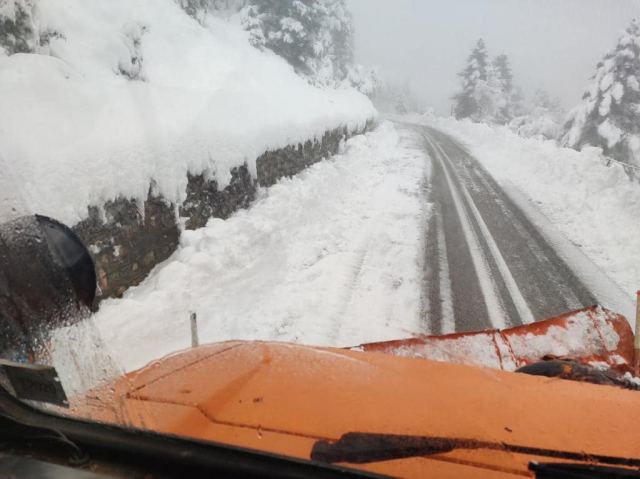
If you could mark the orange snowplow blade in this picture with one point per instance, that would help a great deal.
(358, 409)
(593, 335)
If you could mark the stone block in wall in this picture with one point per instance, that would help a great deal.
(127, 240)
(291, 160)
(205, 200)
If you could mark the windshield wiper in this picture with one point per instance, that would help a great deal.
(363, 448)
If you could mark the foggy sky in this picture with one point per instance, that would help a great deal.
(552, 44)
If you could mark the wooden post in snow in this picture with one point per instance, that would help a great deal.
(195, 342)
(636, 339)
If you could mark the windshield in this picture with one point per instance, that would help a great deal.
(252, 221)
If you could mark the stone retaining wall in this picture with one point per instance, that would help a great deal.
(127, 239)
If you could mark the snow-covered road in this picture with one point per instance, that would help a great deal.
(332, 256)
(500, 271)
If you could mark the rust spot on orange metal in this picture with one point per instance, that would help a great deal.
(511, 347)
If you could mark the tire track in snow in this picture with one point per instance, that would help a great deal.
(520, 303)
(469, 309)
(523, 245)
(529, 277)
(492, 300)
(448, 320)
(550, 284)
(351, 285)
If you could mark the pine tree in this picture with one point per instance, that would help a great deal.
(314, 36)
(474, 78)
(518, 102)
(609, 113)
(339, 24)
(502, 69)
(17, 30)
(366, 80)
(543, 100)
(505, 96)
(487, 93)
(291, 28)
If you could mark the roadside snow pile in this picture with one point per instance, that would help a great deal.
(330, 257)
(596, 207)
(124, 92)
(543, 119)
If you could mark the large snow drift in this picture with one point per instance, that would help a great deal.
(129, 91)
(330, 257)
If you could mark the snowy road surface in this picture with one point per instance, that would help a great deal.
(487, 265)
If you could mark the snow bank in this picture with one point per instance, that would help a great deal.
(595, 206)
(332, 256)
(126, 92)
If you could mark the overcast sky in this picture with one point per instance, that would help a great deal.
(552, 44)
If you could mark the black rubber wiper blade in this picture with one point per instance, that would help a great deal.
(364, 448)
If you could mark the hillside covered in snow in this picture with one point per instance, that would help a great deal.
(105, 98)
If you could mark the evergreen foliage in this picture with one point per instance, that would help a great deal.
(487, 92)
(17, 30)
(609, 113)
(474, 77)
(504, 95)
(314, 36)
(542, 119)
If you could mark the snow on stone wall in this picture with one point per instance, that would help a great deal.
(135, 91)
(128, 238)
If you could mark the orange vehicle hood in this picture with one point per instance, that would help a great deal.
(284, 398)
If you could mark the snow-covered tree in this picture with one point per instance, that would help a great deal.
(543, 118)
(18, 34)
(487, 92)
(198, 9)
(365, 80)
(518, 107)
(314, 36)
(291, 28)
(393, 97)
(474, 78)
(339, 25)
(406, 99)
(609, 113)
(504, 91)
(502, 71)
